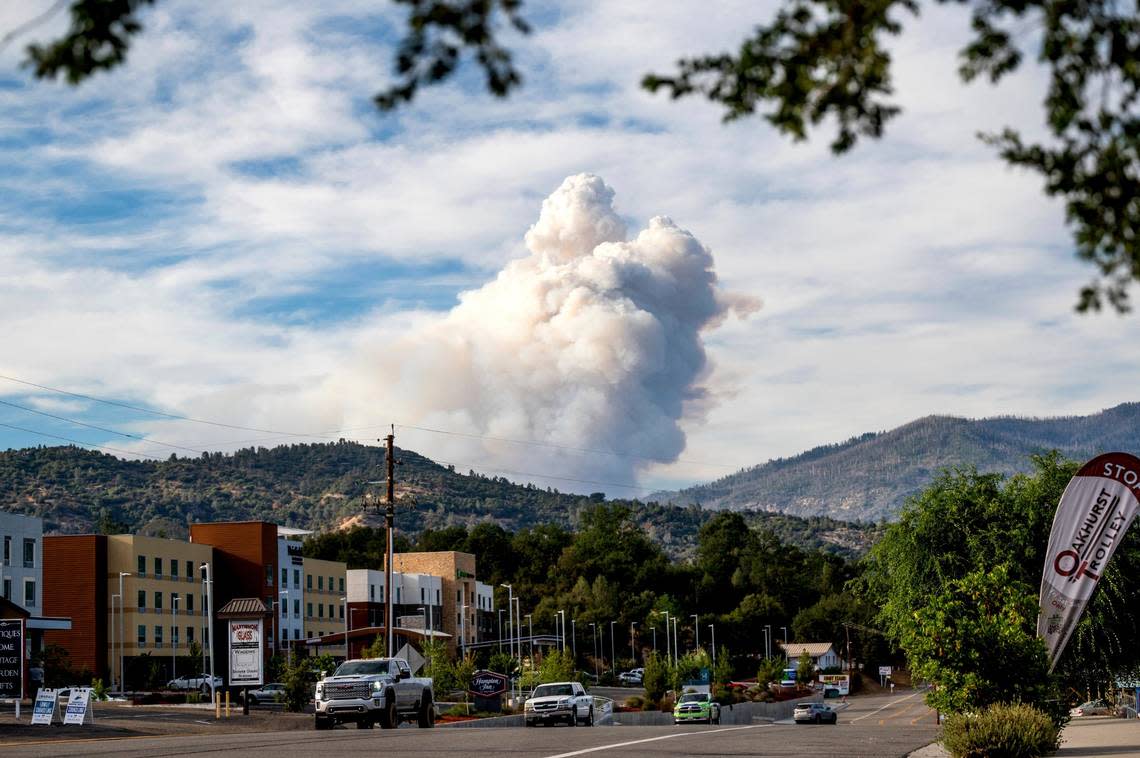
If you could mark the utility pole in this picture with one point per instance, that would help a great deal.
(389, 519)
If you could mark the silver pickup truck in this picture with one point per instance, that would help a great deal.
(374, 691)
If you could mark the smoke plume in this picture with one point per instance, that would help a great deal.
(592, 341)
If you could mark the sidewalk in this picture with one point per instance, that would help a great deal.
(1092, 736)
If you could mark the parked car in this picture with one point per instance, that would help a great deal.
(630, 678)
(194, 682)
(1092, 708)
(814, 713)
(267, 693)
(559, 701)
(696, 706)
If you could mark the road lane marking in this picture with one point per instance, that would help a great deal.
(888, 705)
(653, 739)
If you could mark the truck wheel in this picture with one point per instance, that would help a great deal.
(573, 720)
(388, 718)
(426, 716)
(590, 717)
(322, 724)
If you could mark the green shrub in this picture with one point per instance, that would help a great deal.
(1000, 731)
(99, 690)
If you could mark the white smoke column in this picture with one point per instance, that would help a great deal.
(592, 341)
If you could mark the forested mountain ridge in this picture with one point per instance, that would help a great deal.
(869, 478)
(322, 487)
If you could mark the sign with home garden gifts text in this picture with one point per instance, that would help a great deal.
(1095, 511)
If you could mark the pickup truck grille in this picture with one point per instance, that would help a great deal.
(547, 706)
(349, 690)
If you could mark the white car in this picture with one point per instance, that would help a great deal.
(198, 682)
(632, 678)
(559, 701)
(1092, 708)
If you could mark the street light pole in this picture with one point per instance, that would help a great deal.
(500, 630)
(768, 630)
(697, 632)
(712, 630)
(209, 623)
(676, 648)
(574, 641)
(344, 605)
(122, 643)
(785, 640)
(668, 649)
(530, 633)
(510, 619)
(111, 662)
(174, 638)
(613, 656)
(632, 642)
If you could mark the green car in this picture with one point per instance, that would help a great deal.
(696, 706)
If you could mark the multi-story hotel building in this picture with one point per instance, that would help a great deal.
(289, 610)
(324, 602)
(21, 562)
(163, 608)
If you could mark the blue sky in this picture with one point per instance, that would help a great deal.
(226, 229)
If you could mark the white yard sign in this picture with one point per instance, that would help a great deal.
(246, 656)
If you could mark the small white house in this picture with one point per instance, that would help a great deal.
(822, 654)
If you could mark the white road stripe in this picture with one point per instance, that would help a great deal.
(708, 732)
(888, 705)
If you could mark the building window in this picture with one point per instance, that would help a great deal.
(7, 551)
(398, 601)
(142, 600)
(331, 584)
(296, 634)
(297, 609)
(284, 577)
(29, 553)
(308, 610)
(309, 582)
(189, 635)
(284, 608)
(321, 610)
(372, 592)
(320, 584)
(174, 600)
(29, 593)
(342, 613)
(174, 636)
(340, 583)
(173, 569)
(269, 575)
(189, 571)
(157, 635)
(459, 596)
(142, 565)
(158, 601)
(297, 578)
(189, 602)
(157, 566)
(142, 635)
(7, 589)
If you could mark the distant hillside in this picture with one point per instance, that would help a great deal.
(868, 478)
(322, 487)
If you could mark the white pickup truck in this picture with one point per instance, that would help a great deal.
(374, 691)
(559, 701)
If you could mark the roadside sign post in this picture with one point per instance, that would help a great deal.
(488, 688)
(246, 656)
(884, 674)
(79, 710)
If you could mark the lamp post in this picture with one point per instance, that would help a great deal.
(510, 618)
(463, 631)
(594, 631)
(518, 628)
(668, 650)
(122, 644)
(530, 633)
(500, 630)
(174, 637)
(562, 634)
(768, 631)
(574, 641)
(113, 648)
(632, 642)
(712, 630)
(767, 650)
(613, 656)
(209, 621)
(676, 648)
(696, 632)
(344, 605)
(785, 641)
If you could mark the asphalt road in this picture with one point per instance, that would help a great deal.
(882, 726)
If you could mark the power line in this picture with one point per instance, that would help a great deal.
(99, 428)
(77, 442)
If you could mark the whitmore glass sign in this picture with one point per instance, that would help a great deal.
(246, 656)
